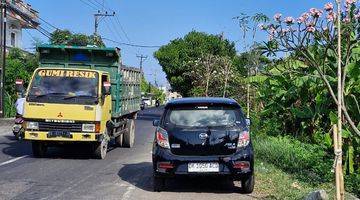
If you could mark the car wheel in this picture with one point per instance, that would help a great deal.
(158, 184)
(247, 184)
(39, 149)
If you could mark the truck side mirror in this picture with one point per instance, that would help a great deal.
(19, 86)
(107, 88)
(248, 121)
(156, 122)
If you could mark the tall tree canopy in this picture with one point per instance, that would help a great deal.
(176, 58)
(65, 37)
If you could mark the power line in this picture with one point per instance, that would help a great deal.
(91, 6)
(132, 45)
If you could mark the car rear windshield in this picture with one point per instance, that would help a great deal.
(203, 116)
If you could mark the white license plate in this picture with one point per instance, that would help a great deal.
(203, 167)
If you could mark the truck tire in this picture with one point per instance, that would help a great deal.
(129, 135)
(247, 184)
(101, 149)
(119, 140)
(39, 149)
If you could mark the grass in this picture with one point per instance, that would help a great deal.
(273, 183)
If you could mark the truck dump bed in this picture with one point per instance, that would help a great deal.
(125, 81)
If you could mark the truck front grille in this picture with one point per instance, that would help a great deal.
(50, 126)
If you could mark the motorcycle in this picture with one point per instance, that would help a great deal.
(18, 129)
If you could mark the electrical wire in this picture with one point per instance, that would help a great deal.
(132, 45)
(86, 3)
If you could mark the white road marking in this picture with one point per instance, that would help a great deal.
(12, 160)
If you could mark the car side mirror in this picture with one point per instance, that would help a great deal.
(156, 122)
(19, 86)
(248, 121)
(106, 88)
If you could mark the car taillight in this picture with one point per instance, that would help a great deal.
(162, 138)
(244, 139)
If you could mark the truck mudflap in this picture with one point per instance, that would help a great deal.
(54, 136)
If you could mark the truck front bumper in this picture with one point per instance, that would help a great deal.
(74, 137)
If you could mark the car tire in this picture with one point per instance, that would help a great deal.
(158, 184)
(129, 135)
(101, 149)
(39, 149)
(247, 184)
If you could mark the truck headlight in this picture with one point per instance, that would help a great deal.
(32, 125)
(88, 128)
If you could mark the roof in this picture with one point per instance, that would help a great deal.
(202, 100)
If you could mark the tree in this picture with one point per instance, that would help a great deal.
(177, 57)
(313, 40)
(65, 37)
(19, 65)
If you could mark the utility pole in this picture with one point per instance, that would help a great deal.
(98, 17)
(142, 58)
(3, 55)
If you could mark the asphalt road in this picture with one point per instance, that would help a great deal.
(70, 173)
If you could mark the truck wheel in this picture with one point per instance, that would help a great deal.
(129, 135)
(101, 149)
(119, 140)
(39, 149)
(247, 184)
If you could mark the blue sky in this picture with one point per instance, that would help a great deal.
(156, 22)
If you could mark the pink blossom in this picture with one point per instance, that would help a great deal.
(346, 20)
(301, 20)
(311, 29)
(329, 7)
(289, 20)
(262, 26)
(277, 17)
(331, 16)
(348, 2)
(284, 31)
(316, 13)
(305, 15)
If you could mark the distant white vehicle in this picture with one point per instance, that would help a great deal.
(146, 101)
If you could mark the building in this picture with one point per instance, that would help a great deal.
(20, 15)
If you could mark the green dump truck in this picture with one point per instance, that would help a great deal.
(81, 95)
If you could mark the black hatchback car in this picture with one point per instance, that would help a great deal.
(203, 136)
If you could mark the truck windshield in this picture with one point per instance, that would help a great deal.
(64, 86)
(203, 116)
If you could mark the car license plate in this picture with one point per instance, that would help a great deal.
(203, 167)
(55, 133)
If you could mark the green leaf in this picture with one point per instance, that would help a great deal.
(333, 118)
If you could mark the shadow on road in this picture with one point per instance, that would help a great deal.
(15, 148)
(140, 176)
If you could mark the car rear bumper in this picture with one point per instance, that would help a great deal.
(227, 163)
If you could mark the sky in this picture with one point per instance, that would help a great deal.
(157, 22)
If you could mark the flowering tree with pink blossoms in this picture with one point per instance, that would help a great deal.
(312, 39)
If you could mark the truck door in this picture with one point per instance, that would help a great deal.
(105, 102)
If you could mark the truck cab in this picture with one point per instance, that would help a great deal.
(81, 95)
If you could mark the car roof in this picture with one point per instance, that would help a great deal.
(202, 100)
